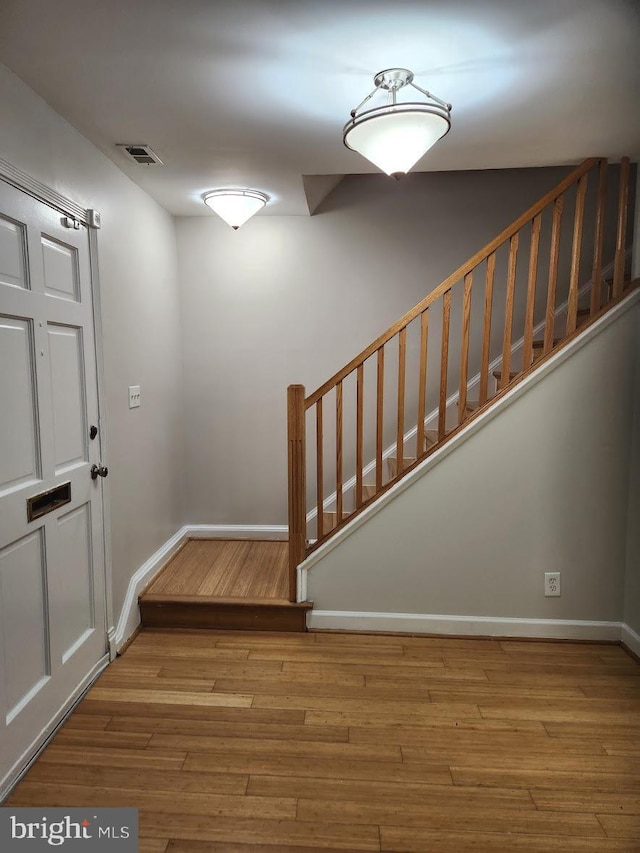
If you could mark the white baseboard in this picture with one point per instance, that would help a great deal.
(237, 531)
(130, 614)
(41, 740)
(630, 639)
(485, 626)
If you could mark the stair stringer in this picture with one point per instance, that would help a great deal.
(358, 580)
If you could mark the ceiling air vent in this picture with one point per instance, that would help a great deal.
(141, 153)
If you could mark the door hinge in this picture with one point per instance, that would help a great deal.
(70, 222)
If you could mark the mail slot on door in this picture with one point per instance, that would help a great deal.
(47, 501)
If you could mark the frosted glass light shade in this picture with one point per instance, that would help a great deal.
(395, 138)
(235, 206)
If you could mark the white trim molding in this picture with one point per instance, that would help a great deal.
(630, 639)
(23, 181)
(279, 532)
(130, 613)
(471, 626)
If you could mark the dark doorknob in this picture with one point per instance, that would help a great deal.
(98, 471)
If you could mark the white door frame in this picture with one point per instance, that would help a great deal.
(26, 184)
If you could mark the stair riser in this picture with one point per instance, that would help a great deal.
(223, 617)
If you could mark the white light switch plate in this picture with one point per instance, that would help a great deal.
(134, 396)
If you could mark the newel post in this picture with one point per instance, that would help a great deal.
(297, 482)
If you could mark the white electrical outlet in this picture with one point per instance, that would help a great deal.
(551, 583)
(134, 396)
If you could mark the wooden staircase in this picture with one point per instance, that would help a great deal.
(351, 464)
(224, 584)
(252, 585)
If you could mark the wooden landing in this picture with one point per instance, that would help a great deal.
(224, 584)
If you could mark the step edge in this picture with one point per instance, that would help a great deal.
(160, 599)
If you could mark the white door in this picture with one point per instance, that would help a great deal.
(52, 589)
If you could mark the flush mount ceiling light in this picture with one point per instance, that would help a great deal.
(396, 135)
(235, 206)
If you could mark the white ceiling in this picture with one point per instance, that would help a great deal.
(255, 93)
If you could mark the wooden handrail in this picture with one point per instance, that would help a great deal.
(467, 267)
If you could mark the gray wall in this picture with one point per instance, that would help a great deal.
(284, 300)
(139, 294)
(287, 300)
(542, 487)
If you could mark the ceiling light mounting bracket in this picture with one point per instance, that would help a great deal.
(393, 78)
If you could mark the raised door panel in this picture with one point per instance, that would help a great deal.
(72, 578)
(13, 266)
(23, 612)
(18, 432)
(68, 396)
(60, 264)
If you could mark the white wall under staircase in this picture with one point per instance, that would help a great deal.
(540, 483)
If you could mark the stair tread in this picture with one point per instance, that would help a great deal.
(512, 374)
(538, 344)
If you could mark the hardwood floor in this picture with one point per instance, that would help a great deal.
(259, 743)
(226, 569)
(229, 584)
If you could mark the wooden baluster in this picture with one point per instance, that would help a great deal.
(623, 197)
(486, 335)
(596, 275)
(578, 222)
(319, 470)
(527, 346)
(464, 354)
(508, 311)
(444, 365)
(359, 432)
(379, 417)
(553, 275)
(422, 387)
(339, 452)
(297, 482)
(402, 358)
